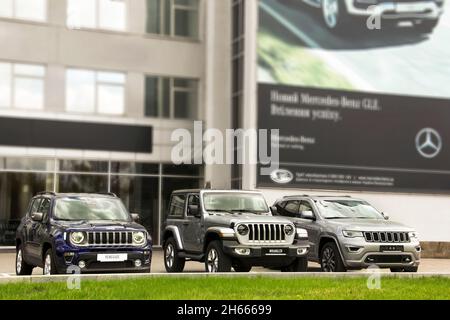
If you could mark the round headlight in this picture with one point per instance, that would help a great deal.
(242, 229)
(77, 237)
(289, 229)
(138, 237)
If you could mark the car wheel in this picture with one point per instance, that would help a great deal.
(172, 261)
(330, 259)
(242, 267)
(427, 26)
(405, 269)
(216, 260)
(299, 265)
(22, 268)
(335, 15)
(49, 264)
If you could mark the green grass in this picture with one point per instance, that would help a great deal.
(253, 288)
(294, 65)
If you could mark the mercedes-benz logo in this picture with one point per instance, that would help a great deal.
(428, 143)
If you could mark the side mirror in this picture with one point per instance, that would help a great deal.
(37, 216)
(386, 216)
(274, 210)
(193, 211)
(136, 218)
(308, 215)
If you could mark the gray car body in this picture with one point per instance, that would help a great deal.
(322, 230)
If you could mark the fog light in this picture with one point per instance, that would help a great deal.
(242, 251)
(68, 257)
(301, 251)
(82, 264)
(137, 263)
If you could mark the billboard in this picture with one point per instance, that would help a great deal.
(360, 93)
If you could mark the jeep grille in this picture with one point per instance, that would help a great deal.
(389, 237)
(266, 234)
(110, 238)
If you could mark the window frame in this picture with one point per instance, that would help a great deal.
(97, 83)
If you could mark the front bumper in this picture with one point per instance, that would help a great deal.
(68, 260)
(357, 253)
(395, 10)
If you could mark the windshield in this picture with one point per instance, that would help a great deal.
(347, 209)
(235, 202)
(90, 208)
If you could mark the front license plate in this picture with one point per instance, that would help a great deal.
(392, 248)
(275, 251)
(112, 257)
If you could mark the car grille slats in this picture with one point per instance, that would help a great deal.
(387, 237)
(266, 233)
(110, 238)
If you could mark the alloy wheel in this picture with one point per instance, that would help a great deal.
(213, 260)
(330, 9)
(48, 265)
(19, 259)
(170, 255)
(328, 260)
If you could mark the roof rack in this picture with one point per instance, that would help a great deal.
(316, 196)
(107, 194)
(42, 193)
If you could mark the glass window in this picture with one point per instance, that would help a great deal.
(35, 206)
(90, 208)
(177, 205)
(172, 184)
(185, 170)
(291, 208)
(83, 166)
(174, 98)
(24, 9)
(16, 191)
(73, 183)
(28, 164)
(305, 206)
(140, 195)
(134, 167)
(22, 86)
(44, 208)
(173, 17)
(102, 14)
(95, 92)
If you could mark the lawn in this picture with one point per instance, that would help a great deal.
(231, 288)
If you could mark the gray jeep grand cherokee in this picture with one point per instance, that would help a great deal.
(226, 228)
(347, 233)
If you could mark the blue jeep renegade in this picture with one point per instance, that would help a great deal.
(86, 233)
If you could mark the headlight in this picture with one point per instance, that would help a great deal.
(289, 230)
(353, 234)
(138, 237)
(413, 234)
(242, 229)
(77, 238)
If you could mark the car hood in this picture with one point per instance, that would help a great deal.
(99, 225)
(369, 225)
(228, 219)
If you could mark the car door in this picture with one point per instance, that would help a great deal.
(311, 225)
(30, 245)
(40, 228)
(176, 215)
(193, 231)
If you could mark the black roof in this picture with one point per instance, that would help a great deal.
(55, 194)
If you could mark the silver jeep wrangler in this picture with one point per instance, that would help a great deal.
(347, 233)
(230, 229)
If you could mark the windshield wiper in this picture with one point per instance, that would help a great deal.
(220, 210)
(335, 218)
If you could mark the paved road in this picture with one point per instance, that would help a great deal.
(386, 61)
(7, 265)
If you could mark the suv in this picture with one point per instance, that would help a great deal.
(337, 14)
(347, 233)
(226, 229)
(86, 233)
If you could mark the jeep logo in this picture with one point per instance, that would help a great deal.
(282, 176)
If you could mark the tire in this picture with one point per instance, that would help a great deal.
(22, 268)
(299, 265)
(49, 267)
(172, 261)
(405, 269)
(330, 259)
(427, 26)
(215, 259)
(336, 17)
(242, 267)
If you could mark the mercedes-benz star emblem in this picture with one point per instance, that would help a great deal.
(428, 143)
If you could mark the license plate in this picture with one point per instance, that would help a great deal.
(392, 248)
(275, 251)
(409, 7)
(112, 257)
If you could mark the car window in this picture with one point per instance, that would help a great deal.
(193, 200)
(291, 208)
(44, 208)
(177, 205)
(305, 206)
(35, 206)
